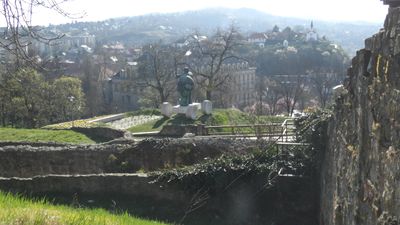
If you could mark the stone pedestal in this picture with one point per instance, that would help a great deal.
(179, 109)
(191, 111)
(166, 109)
(206, 107)
(197, 105)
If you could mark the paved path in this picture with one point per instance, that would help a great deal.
(105, 119)
(128, 122)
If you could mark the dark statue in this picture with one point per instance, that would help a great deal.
(185, 87)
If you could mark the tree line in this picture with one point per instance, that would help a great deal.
(288, 75)
(28, 100)
(160, 64)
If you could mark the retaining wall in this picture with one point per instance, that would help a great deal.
(32, 159)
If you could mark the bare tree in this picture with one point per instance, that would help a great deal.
(261, 90)
(292, 89)
(158, 70)
(272, 95)
(19, 32)
(209, 55)
(268, 91)
(322, 84)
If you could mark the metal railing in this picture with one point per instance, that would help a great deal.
(283, 131)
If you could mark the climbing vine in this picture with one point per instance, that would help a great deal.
(313, 129)
(217, 174)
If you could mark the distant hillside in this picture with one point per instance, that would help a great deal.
(172, 26)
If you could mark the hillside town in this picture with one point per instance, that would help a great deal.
(172, 113)
(234, 69)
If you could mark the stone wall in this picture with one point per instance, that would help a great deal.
(93, 184)
(360, 174)
(32, 159)
(26, 160)
(288, 202)
(90, 173)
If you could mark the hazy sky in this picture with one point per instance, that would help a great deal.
(334, 10)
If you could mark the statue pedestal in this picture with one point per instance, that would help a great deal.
(206, 107)
(190, 111)
(166, 109)
(179, 109)
(196, 104)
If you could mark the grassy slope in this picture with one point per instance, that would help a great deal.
(219, 117)
(17, 210)
(39, 135)
(145, 127)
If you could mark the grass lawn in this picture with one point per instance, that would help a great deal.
(39, 135)
(146, 127)
(18, 210)
(219, 117)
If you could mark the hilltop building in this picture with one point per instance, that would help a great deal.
(258, 39)
(85, 41)
(287, 35)
(312, 34)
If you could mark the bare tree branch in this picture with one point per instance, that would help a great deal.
(158, 66)
(209, 56)
(19, 33)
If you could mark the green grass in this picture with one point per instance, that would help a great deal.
(146, 127)
(39, 135)
(218, 117)
(19, 210)
(145, 111)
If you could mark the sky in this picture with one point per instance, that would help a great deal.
(334, 10)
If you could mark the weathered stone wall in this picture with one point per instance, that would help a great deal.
(360, 174)
(93, 184)
(288, 202)
(26, 160)
(32, 159)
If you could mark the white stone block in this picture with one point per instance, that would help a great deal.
(191, 112)
(197, 104)
(179, 109)
(166, 109)
(206, 107)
